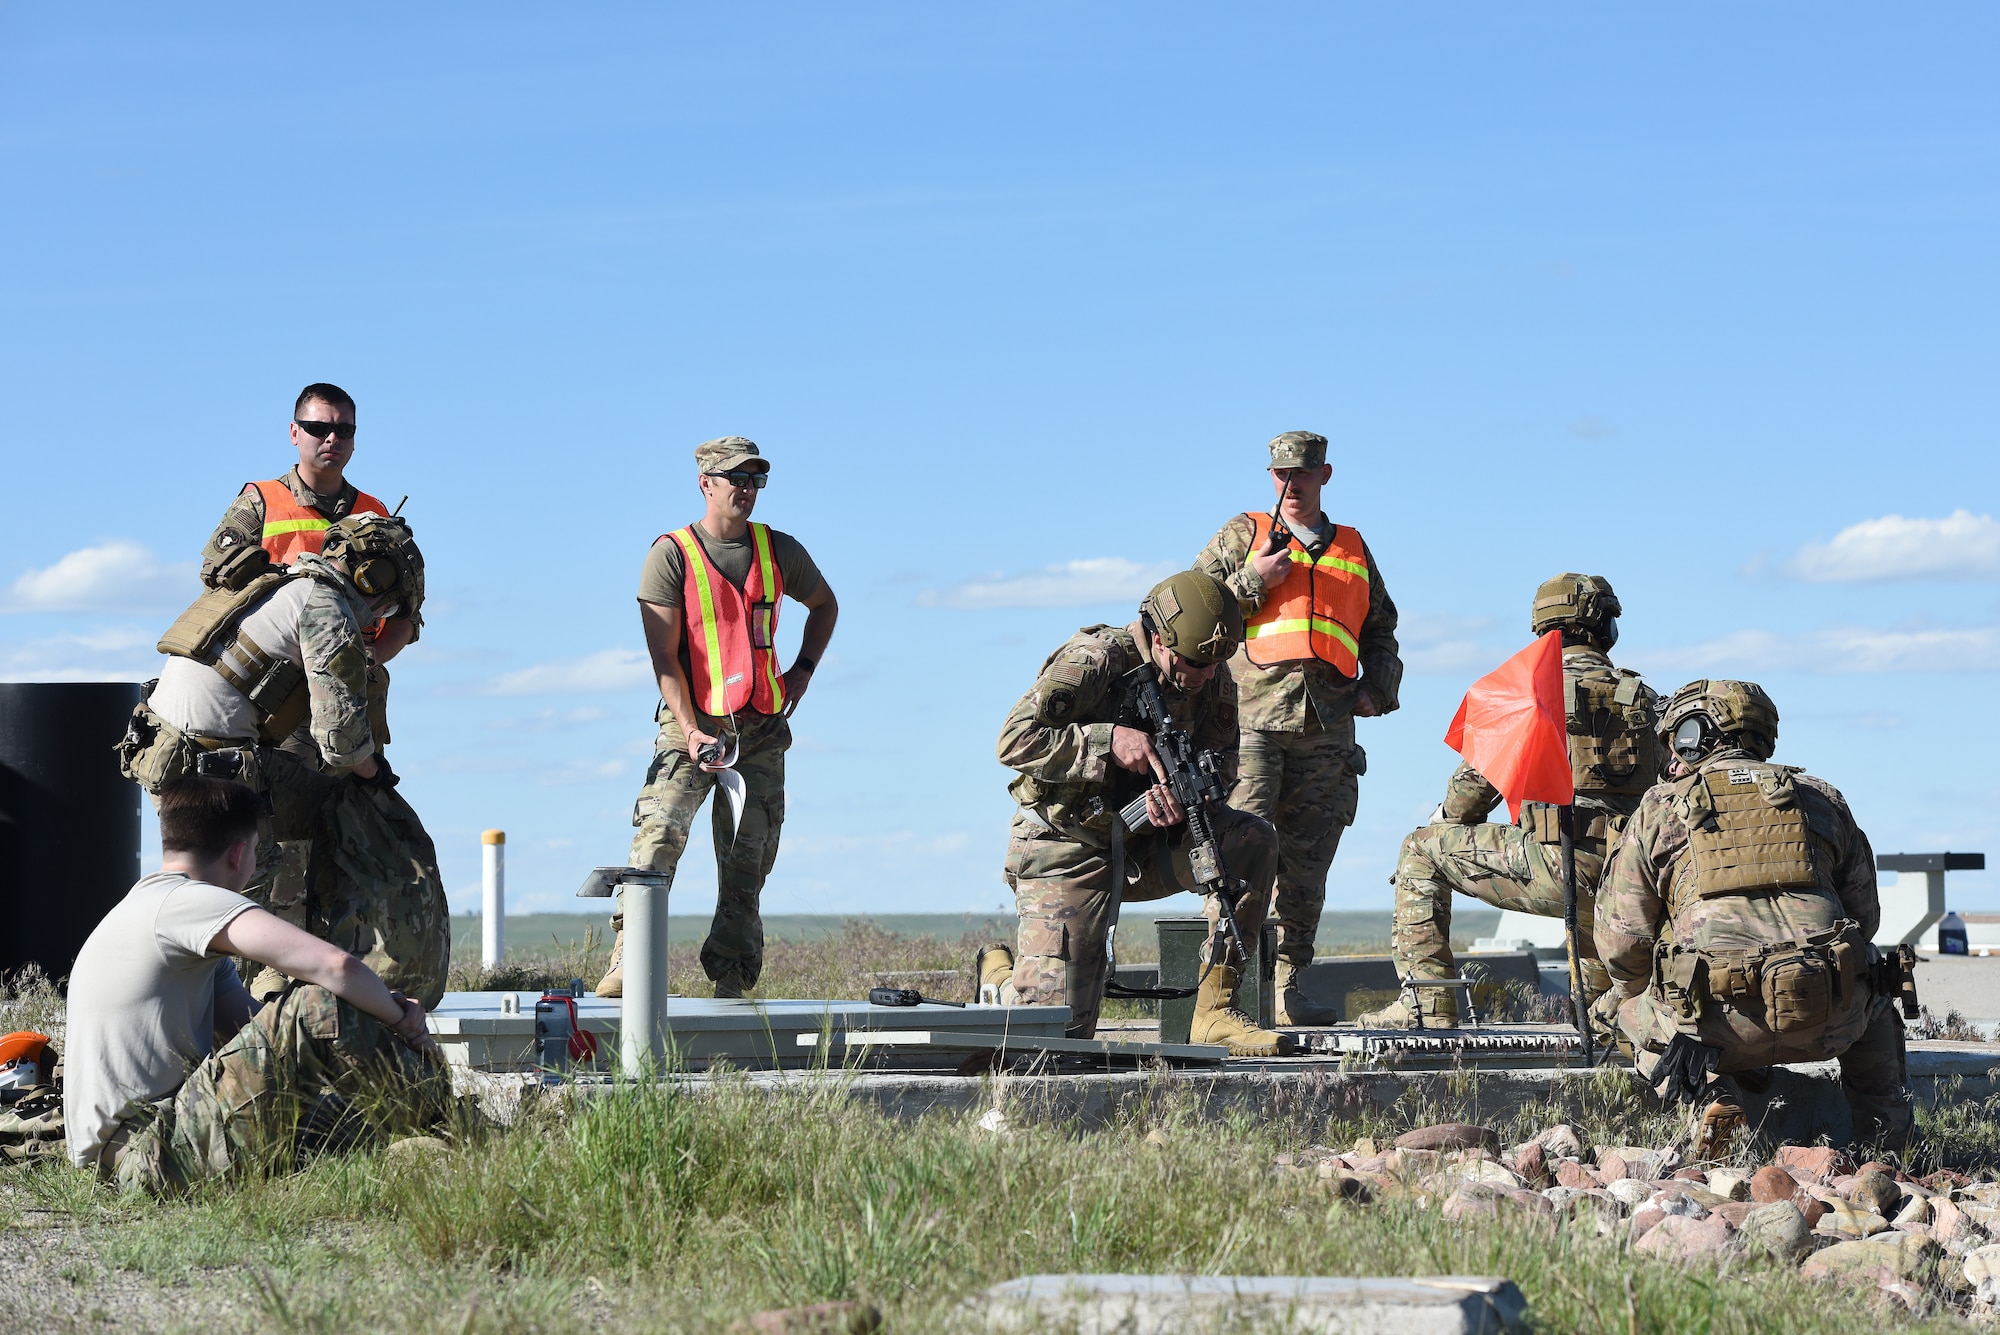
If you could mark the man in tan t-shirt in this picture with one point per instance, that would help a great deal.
(709, 596)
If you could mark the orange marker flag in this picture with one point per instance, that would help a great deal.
(1513, 728)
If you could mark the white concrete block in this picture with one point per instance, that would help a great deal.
(1185, 1304)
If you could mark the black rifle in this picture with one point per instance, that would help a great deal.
(1195, 779)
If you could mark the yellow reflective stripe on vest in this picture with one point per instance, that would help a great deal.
(272, 528)
(1330, 562)
(761, 535)
(1302, 626)
(718, 699)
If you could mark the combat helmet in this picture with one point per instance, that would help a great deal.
(1703, 714)
(1577, 602)
(1194, 616)
(380, 557)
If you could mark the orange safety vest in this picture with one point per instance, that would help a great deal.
(1318, 607)
(732, 650)
(291, 528)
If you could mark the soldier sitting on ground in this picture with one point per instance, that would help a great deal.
(260, 654)
(1078, 764)
(173, 1075)
(1614, 758)
(1736, 917)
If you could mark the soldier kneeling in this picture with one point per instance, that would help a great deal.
(1071, 861)
(1735, 918)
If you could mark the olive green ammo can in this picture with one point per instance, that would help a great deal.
(1180, 966)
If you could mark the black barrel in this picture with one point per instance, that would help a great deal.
(69, 821)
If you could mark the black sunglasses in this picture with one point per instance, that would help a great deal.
(744, 477)
(318, 430)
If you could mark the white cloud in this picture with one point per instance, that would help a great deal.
(109, 653)
(1085, 583)
(1450, 645)
(605, 670)
(1962, 545)
(116, 576)
(1840, 650)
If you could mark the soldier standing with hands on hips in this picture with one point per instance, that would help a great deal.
(1320, 651)
(708, 602)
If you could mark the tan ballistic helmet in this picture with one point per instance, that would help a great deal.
(1298, 449)
(1195, 617)
(1739, 711)
(380, 557)
(1574, 602)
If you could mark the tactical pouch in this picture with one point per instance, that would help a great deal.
(149, 752)
(1845, 956)
(1541, 822)
(1798, 991)
(1682, 979)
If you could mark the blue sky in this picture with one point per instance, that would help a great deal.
(1700, 299)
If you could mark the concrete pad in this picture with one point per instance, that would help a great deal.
(476, 1030)
(1184, 1304)
(1968, 984)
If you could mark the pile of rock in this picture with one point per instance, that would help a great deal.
(1917, 1240)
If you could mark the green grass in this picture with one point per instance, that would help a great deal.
(653, 1209)
(660, 1210)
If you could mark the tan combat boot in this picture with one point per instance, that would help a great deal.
(1216, 1020)
(992, 967)
(1720, 1123)
(1440, 1011)
(613, 982)
(1294, 1006)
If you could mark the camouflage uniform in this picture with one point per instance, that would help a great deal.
(1059, 846)
(309, 1071)
(1300, 765)
(1685, 957)
(733, 954)
(1516, 867)
(345, 859)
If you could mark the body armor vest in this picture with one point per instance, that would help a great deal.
(1746, 832)
(211, 632)
(1613, 750)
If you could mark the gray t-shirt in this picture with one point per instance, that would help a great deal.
(142, 1003)
(661, 579)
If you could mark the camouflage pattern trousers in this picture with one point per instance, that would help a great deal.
(733, 954)
(1062, 891)
(308, 1073)
(1874, 1069)
(1500, 864)
(1307, 784)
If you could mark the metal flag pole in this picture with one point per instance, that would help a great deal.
(1566, 827)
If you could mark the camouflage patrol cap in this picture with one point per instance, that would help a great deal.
(1571, 601)
(1741, 712)
(1195, 616)
(380, 557)
(1298, 449)
(727, 452)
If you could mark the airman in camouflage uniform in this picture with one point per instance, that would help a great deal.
(271, 652)
(1735, 918)
(1301, 765)
(1614, 759)
(1078, 764)
(721, 611)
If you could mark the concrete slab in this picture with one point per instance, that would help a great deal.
(1184, 1304)
(1803, 1103)
(1968, 984)
(495, 1031)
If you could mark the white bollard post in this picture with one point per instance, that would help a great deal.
(642, 1027)
(493, 898)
